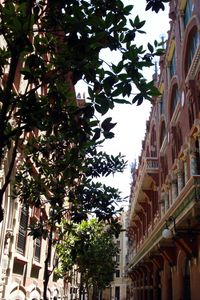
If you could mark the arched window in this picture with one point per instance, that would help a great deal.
(153, 147)
(177, 141)
(187, 12)
(174, 100)
(162, 133)
(192, 44)
(191, 112)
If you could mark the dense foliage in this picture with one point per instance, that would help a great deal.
(45, 51)
(89, 249)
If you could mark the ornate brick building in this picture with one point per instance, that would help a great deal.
(164, 217)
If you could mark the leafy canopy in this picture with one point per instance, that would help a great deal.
(47, 48)
(90, 248)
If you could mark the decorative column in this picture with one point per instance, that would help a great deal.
(170, 193)
(174, 187)
(185, 171)
(166, 199)
(162, 204)
(193, 163)
(180, 176)
(198, 138)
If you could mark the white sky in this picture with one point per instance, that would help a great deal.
(131, 120)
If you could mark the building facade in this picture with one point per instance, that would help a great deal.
(163, 259)
(22, 257)
(118, 287)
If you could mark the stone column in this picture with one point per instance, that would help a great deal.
(170, 194)
(180, 176)
(174, 187)
(162, 204)
(193, 164)
(185, 171)
(166, 200)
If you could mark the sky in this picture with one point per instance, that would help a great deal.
(131, 119)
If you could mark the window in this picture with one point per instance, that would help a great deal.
(153, 148)
(162, 133)
(37, 249)
(21, 242)
(117, 293)
(177, 140)
(117, 273)
(117, 258)
(161, 106)
(174, 99)
(191, 112)
(188, 12)
(193, 44)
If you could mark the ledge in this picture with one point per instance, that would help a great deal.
(20, 258)
(36, 264)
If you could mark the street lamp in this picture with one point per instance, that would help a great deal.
(168, 233)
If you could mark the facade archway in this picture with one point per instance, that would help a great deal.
(153, 142)
(173, 99)
(191, 35)
(192, 44)
(19, 293)
(162, 132)
(35, 294)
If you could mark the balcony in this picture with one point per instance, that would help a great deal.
(146, 174)
(151, 164)
(187, 202)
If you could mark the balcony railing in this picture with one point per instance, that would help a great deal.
(149, 165)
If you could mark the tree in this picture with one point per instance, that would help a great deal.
(90, 248)
(48, 47)
(74, 197)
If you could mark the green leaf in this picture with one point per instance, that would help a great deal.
(150, 47)
(107, 125)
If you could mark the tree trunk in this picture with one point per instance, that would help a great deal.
(46, 265)
(88, 291)
(95, 293)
